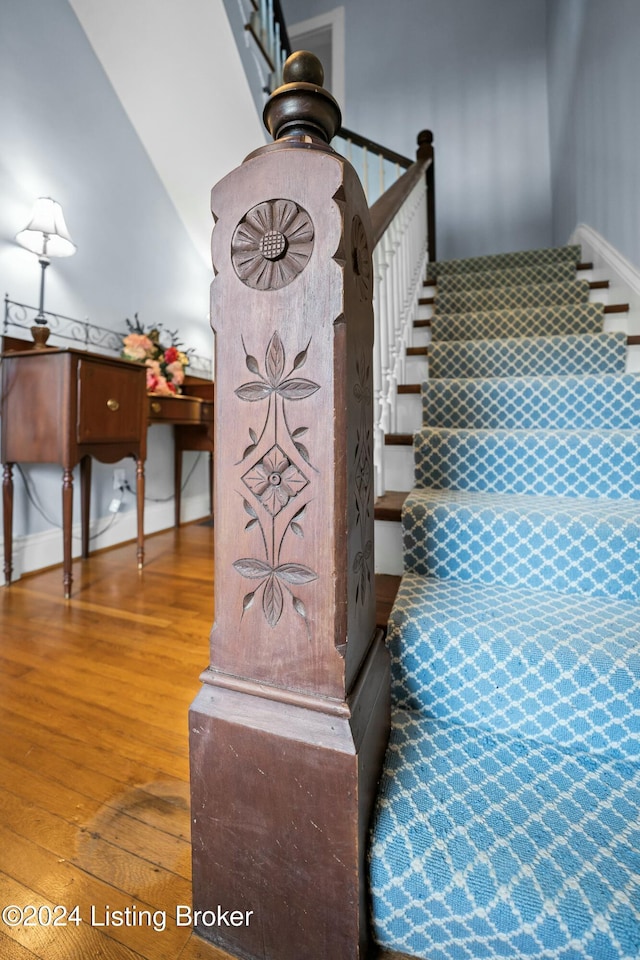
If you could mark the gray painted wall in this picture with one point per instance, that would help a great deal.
(475, 73)
(594, 93)
(65, 135)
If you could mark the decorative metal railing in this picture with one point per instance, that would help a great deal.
(82, 334)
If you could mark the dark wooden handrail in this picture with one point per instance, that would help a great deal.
(374, 147)
(385, 208)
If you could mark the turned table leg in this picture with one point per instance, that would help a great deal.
(67, 517)
(140, 509)
(85, 501)
(7, 513)
(177, 483)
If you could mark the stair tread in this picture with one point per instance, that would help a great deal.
(389, 505)
(502, 844)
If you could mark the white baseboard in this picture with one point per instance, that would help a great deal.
(36, 551)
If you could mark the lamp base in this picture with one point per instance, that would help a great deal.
(40, 333)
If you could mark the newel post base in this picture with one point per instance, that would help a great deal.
(280, 816)
(287, 736)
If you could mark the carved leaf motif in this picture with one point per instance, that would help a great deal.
(297, 529)
(295, 573)
(248, 450)
(250, 525)
(252, 364)
(301, 358)
(247, 506)
(299, 432)
(254, 436)
(247, 601)
(254, 390)
(272, 601)
(304, 453)
(299, 607)
(252, 569)
(275, 360)
(297, 389)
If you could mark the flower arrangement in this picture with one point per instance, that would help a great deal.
(165, 364)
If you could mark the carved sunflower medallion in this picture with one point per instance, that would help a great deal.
(272, 244)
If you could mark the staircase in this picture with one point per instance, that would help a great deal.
(508, 819)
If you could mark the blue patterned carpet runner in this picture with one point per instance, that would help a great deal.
(508, 818)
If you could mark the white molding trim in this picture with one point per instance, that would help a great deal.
(624, 284)
(335, 20)
(35, 551)
(610, 264)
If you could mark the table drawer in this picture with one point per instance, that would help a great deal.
(175, 409)
(110, 401)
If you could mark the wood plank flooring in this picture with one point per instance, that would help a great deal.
(94, 795)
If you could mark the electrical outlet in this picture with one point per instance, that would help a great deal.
(115, 505)
(119, 479)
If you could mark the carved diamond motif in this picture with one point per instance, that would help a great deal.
(274, 480)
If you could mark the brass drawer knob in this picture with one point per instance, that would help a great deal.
(113, 405)
(156, 407)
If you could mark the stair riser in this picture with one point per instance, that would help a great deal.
(532, 546)
(503, 261)
(544, 403)
(512, 662)
(526, 357)
(549, 463)
(526, 322)
(480, 279)
(508, 298)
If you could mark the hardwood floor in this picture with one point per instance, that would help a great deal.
(94, 797)
(94, 794)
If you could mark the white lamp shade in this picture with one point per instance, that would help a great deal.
(46, 233)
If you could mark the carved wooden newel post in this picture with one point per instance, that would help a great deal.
(289, 730)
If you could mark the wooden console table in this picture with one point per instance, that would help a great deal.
(192, 418)
(65, 406)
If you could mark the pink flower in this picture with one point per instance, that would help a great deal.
(158, 384)
(137, 346)
(175, 371)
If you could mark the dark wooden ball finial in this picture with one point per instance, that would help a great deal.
(302, 107)
(303, 67)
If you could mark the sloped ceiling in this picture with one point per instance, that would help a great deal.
(177, 72)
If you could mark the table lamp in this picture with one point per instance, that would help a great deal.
(47, 236)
